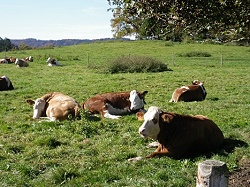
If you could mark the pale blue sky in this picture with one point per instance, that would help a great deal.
(55, 19)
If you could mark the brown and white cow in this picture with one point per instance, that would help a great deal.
(53, 62)
(5, 84)
(180, 136)
(113, 104)
(194, 92)
(7, 60)
(21, 63)
(28, 59)
(55, 106)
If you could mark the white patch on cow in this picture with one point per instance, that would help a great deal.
(135, 100)
(185, 87)
(17, 62)
(150, 127)
(116, 111)
(203, 89)
(153, 144)
(7, 80)
(108, 115)
(38, 107)
(135, 159)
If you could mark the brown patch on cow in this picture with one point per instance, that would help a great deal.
(186, 136)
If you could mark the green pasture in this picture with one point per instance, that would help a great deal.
(94, 151)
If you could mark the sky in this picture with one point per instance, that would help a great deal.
(55, 19)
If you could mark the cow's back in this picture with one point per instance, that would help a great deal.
(5, 84)
(194, 93)
(189, 135)
(62, 106)
(119, 100)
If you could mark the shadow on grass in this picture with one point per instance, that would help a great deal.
(228, 147)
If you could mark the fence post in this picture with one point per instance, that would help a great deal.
(173, 58)
(221, 60)
(212, 173)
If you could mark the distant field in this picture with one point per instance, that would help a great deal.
(95, 152)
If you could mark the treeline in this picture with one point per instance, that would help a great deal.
(6, 45)
(178, 20)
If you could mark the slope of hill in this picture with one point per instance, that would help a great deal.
(32, 42)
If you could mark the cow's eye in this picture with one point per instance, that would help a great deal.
(154, 120)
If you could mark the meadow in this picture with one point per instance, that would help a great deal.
(93, 151)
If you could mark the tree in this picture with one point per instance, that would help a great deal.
(5, 44)
(177, 19)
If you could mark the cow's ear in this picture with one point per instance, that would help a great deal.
(143, 94)
(29, 101)
(167, 118)
(140, 116)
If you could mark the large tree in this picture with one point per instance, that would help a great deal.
(177, 19)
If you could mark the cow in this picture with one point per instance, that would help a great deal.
(3, 61)
(55, 106)
(28, 59)
(7, 60)
(5, 83)
(21, 63)
(113, 104)
(180, 136)
(53, 62)
(194, 92)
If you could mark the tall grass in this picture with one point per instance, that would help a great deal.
(94, 151)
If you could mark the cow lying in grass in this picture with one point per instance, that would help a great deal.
(180, 136)
(21, 63)
(53, 62)
(55, 106)
(113, 104)
(5, 84)
(194, 92)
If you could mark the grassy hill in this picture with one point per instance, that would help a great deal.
(94, 152)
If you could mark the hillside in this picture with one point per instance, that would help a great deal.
(32, 42)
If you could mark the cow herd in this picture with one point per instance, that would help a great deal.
(177, 135)
(24, 62)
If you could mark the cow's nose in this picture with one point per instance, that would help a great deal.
(141, 131)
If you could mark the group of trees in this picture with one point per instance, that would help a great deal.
(176, 20)
(6, 45)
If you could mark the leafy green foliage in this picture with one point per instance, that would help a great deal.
(176, 20)
(195, 54)
(136, 64)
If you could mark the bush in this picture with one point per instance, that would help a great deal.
(195, 54)
(135, 64)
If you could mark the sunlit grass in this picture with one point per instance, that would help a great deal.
(93, 151)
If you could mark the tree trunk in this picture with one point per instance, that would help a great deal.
(212, 173)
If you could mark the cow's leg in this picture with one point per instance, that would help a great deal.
(160, 151)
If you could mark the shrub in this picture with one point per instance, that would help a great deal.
(195, 54)
(135, 64)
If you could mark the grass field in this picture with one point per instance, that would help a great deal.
(94, 151)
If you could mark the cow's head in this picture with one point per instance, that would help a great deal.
(49, 60)
(30, 58)
(137, 100)
(17, 62)
(196, 82)
(150, 127)
(38, 106)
